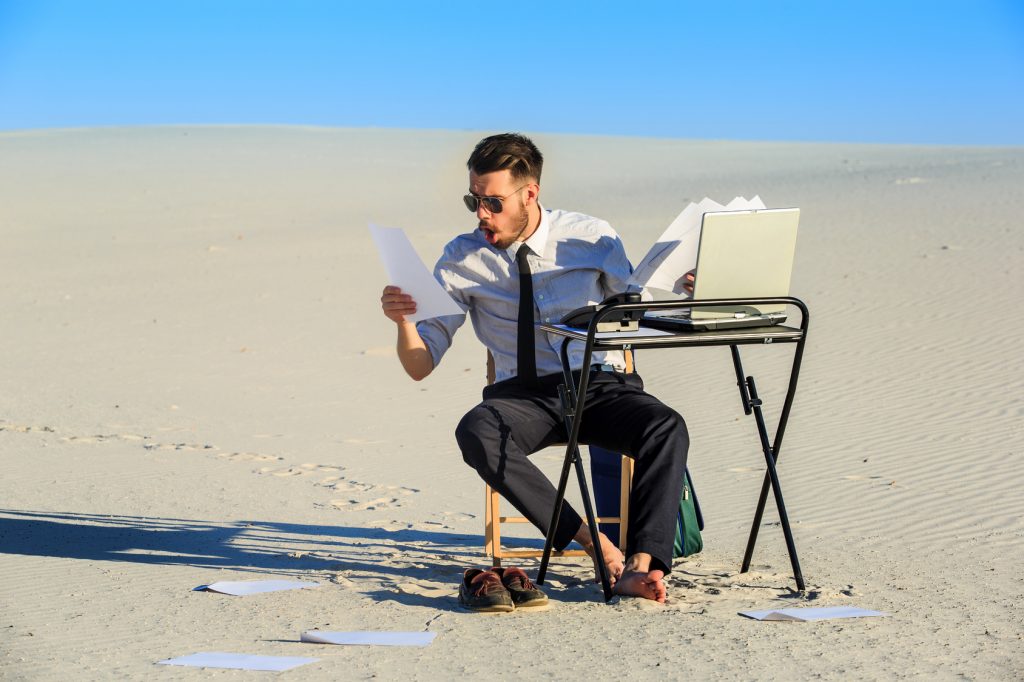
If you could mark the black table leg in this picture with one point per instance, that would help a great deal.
(752, 403)
(602, 568)
(573, 403)
(772, 478)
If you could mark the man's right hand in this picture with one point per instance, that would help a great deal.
(412, 352)
(396, 305)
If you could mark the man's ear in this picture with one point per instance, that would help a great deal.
(532, 192)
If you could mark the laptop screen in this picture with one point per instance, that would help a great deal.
(745, 254)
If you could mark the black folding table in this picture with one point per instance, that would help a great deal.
(573, 397)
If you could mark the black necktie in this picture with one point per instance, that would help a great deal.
(526, 360)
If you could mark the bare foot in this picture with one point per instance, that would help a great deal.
(613, 558)
(648, 585)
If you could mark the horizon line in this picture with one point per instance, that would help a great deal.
(13, 132)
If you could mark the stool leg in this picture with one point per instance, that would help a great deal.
(494, 509)
(625, 487)
(488, 523)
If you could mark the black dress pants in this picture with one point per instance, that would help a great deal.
(513, 421)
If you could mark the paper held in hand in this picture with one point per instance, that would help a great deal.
(407, 272)
(675, 252)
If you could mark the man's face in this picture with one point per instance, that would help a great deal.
(502, 229)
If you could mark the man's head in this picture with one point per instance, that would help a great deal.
(504, 184)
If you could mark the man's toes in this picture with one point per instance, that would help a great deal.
(646, 585)
(656, 584)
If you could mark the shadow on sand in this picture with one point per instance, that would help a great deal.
(284, 549)
(241, 545)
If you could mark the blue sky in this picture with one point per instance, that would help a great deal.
(894, 72)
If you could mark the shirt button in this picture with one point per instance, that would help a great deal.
(541, 297)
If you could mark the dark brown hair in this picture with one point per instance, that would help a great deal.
(507, 151)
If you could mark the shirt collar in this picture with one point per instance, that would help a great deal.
(539, 239)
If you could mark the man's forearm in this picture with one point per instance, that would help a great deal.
(412, 352)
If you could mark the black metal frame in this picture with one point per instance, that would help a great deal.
(574, 402)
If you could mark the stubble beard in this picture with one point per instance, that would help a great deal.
(522, 222)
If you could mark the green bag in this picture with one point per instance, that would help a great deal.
(689, 523)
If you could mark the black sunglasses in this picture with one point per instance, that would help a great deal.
(492, 204)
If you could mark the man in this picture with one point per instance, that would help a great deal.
(560, 261)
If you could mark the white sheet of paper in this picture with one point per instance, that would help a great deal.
(369, 638)
(246, 587)
(218, 659)
(407, 272)
(675, 252)
(809, 614)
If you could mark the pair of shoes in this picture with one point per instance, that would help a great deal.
(525, 595)
(499, 590)
(482, 591)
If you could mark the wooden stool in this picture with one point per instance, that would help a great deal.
(492, 502)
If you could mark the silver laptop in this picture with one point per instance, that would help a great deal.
(742, 254)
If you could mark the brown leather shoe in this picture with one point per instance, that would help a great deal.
(525, 595)
(482, 591)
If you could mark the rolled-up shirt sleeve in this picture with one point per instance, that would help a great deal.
(615, 268)
(437, 334)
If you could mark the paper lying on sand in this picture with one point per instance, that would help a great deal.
(675, 252)
(808, 614)
(218, 659)
(407, 272)
(246, 587)
(369, 638)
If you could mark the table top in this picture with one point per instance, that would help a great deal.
(647, 336)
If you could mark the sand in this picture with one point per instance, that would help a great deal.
(198, 385)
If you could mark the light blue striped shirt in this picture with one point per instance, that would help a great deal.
(576, 260)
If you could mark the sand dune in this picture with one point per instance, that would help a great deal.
(198, 385)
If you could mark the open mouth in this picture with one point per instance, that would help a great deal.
(488, 234)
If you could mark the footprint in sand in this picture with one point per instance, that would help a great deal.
(177, 446)
(403, 574)
(20, 428)
(458, 516)
(423, 588)
(248, 457)
(101, 437)
(302, 470)
(109, 437)
(347, 486)
(94, 438)
(98, 438)
(370, 505)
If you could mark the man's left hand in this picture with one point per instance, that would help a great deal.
(689, 279)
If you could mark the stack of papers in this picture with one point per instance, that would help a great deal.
(675, 252)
